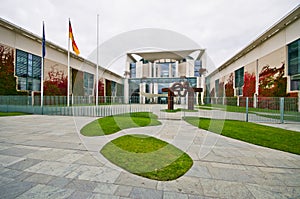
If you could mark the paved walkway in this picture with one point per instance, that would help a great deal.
(45, 157)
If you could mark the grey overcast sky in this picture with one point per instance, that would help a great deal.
(223, 27)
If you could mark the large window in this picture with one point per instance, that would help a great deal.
(88, 83)
(28, 70)
(133, 70)
(294, 64)
(164, 69)
(239, 80)
(197, 68)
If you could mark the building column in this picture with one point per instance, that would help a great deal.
(170, 70)
(154, 70)
(142, 89)
(155, 91)
(150, 69)
(255, 97)
(126, 91)
(151, 91)
(176, 69)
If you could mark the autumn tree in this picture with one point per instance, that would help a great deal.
(271, 82)
(249, 84)
(229, 91)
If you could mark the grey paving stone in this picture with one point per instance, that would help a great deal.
(4, 180)
(23, 176)
(106, 188)
(123, 191)
(80, 195)
(138, 193)
(14, 189)
(185, 184)
(225, 189)
(44, 191)
(81, 185)
(6, 160)
(235, 175)
(11, 173)
(59, 182)
(19, 152)
(172, 195)
(24, 164)
(132, 180)
(39, 178)
(87, 159)
(264, 192)
(102, 196)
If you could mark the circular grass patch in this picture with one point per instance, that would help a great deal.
(148, 157)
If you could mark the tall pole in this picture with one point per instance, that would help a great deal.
(68, 83)
(97, 67)
(42, 67)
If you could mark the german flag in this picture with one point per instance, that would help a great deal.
(71, 36)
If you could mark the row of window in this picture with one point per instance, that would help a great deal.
(293, 70)
(164, 69)
(28, 71)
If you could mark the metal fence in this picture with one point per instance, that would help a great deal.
(260, 109)
(268, 110)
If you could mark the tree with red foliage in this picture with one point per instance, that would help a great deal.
(272, 83)
(7, 79)
(221, 89)
(249, 85)
(229, 91)
(56, 85)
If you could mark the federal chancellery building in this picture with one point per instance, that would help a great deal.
(268, 67)
(147, 73)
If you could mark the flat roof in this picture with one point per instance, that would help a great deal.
(288, 19)
(175, 55)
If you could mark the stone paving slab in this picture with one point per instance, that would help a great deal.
(45, 157)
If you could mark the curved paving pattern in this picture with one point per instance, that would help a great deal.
(44, 157)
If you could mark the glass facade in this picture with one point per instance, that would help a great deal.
(132, 70)
(197, 67)
(88, 83)
(239, 80)
(28, 71)
(294, 64)
(164, 69)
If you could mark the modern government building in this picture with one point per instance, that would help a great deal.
(268, 67)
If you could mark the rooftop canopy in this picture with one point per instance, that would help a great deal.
(175, 55)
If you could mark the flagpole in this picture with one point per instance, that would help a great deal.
(97, 67)
(42, 68)
(68, 83)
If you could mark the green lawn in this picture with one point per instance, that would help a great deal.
(148, 157)
(2, 114)
(112, 124)
(275, 138)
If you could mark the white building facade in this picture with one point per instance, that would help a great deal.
(147, 73)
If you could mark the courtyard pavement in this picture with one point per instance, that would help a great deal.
(46, 157)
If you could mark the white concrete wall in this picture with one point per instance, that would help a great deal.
(271, 52)
(53, 55)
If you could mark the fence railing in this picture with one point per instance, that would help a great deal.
(261, 109)
(270, 110)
